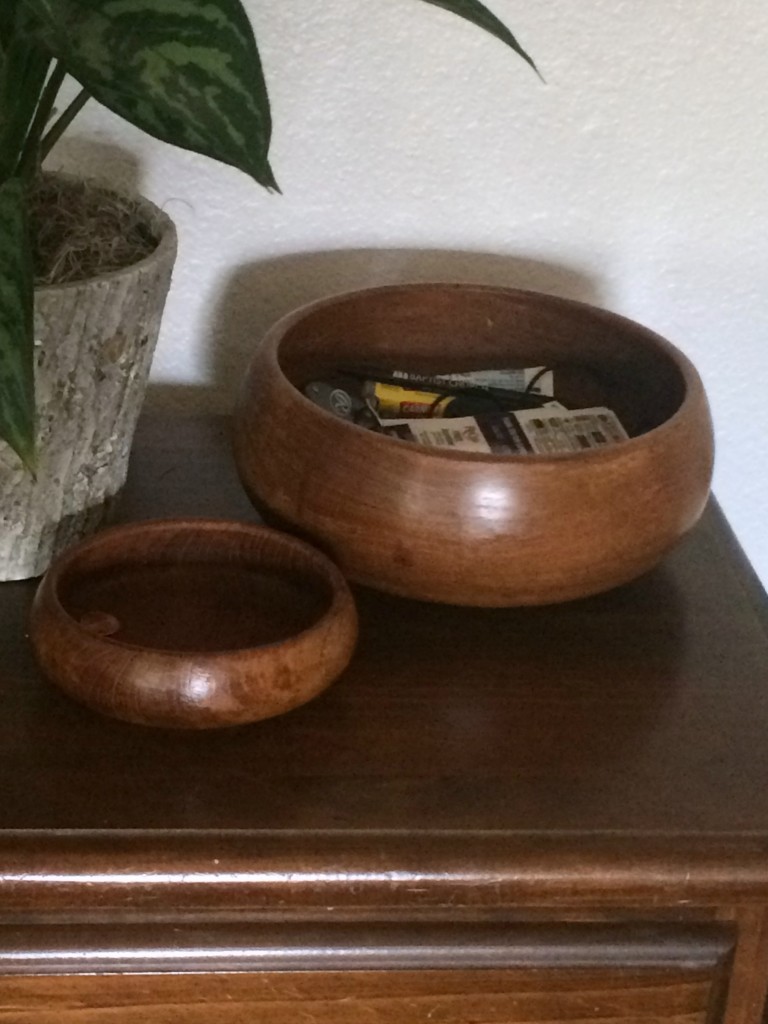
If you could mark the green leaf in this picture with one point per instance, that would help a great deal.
(17, 389)
(186, 71)
(22, 82)
(478, 14)
(7, 19)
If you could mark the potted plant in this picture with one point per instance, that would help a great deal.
(186, 71)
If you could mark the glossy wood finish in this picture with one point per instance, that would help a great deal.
(391, 997)
(194, 948)
(195, 623)
(478, 529)
(499, 815)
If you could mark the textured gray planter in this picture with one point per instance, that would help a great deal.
(94, 343)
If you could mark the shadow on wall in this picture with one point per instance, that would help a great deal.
(104, 161)
(258, 294)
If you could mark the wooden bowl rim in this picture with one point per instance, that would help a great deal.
(693, 385)
(340, 606)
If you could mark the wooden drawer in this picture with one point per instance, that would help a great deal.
(356, 974)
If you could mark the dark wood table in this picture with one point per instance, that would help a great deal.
(493, 817)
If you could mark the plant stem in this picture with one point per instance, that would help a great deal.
(63, 122)
(32, 155)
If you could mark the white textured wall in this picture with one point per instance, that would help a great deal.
(410, 146)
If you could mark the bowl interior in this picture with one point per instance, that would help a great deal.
(598, 358)
(194, 592)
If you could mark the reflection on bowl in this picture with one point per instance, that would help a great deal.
(477, 529)
(193, 623)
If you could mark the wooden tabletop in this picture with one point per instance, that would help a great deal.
(641, 712)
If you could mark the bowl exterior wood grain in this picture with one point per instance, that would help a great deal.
(477, 529)
(183, 687)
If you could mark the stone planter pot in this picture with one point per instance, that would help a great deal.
(94, 342)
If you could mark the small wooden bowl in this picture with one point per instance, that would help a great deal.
(465, 528)
(193, 623)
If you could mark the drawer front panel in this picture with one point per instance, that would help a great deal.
(375, 997)
(357, 974)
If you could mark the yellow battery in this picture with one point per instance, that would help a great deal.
(390, 401)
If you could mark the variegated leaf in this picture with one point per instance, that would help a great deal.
(17, 393)
(186, 71)
(478, 14)
(7, 18)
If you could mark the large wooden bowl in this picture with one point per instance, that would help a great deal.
(193, 623)
(478, 529)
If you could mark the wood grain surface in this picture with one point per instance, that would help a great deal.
(595, 770)
(388, 973)
(193, 623)
(477, 529)
(644, 709)
(447, 997)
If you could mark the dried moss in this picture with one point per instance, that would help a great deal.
(80, 231)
